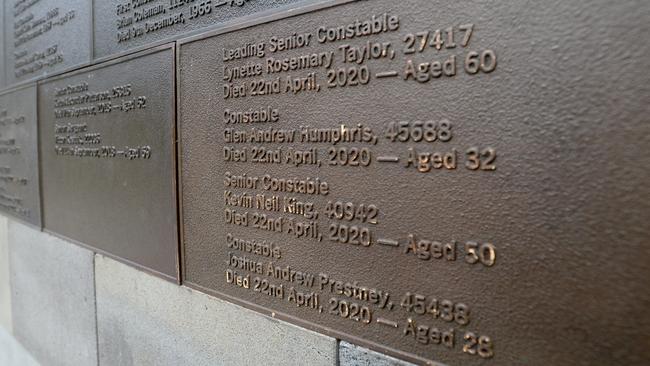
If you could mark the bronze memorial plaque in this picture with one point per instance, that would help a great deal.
(45, 36)
(120, 25)
(446, 181)
(19, 193)
(107, 144)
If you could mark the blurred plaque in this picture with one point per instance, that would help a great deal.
(19, 193)
(453, 182)
(107, 142)
(2, 47)
(45, 36)
(124, 24)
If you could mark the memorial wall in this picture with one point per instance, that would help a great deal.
(19, 189)
(44, 37)
(107, 146)
(456, 183)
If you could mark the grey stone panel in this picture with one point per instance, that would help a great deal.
(52, 297)
(13, 353)
(45, 37)
(143, 320)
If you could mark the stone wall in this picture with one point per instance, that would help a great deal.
(61, 304)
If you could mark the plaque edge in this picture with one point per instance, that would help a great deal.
(176, 276)
(324, 330)
(39, 224)
(262, 18)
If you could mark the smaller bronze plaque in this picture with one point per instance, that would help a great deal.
(122, 25)
(19, 193)
(43, 37)
(107, 145)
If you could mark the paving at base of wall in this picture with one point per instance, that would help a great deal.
(70, 306)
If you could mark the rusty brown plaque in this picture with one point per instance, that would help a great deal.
(44, 37)
(123, 25)
(107, 144)
(455, 182)
(19, 185)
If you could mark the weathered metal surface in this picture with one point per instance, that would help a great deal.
(107, 144)
(2, 47)
(461, 182)
(122, 25)
(42, 37)
(19, 185)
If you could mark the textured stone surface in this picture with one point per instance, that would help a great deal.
(5, 289)
(143, 320)
(53, 305)
(353, 355)
(13, 353)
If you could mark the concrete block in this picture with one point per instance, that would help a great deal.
(5, 289)
(353, 355)
(13, 353)
(53, 305)
(144, 320)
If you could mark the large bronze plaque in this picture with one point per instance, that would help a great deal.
(19, 193)
(46, 36)
(107, 144)
(121, 25)
(448, 181)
